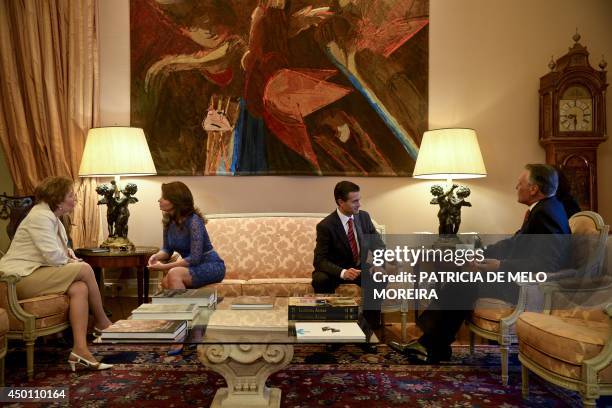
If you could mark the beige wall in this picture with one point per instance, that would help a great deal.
(486, 58)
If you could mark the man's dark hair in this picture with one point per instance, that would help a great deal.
(343, 189)
(545, 177)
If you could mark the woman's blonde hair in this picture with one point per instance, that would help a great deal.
(53, 191)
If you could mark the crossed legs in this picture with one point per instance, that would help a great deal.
(84, 295)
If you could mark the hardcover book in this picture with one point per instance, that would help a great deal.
(200, 297)
(323, 308)
(144, 329)
(245, 320)
(328, 332)
(323, 301)
(148, 311)
(253, 302)
(328, 315)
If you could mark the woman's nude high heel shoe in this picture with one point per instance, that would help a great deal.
(86, 363)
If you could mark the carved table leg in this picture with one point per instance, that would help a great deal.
(246, 367)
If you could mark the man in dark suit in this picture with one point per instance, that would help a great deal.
(344, 239)
(527, 250)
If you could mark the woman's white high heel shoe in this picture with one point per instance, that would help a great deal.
(86, 363)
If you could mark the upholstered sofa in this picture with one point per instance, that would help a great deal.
(268, 254)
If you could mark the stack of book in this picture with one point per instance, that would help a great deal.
(327, 308)
(199, 297)
(150, 311)
(309, 332)
(145, 331)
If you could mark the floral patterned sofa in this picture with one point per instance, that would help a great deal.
(268, 254)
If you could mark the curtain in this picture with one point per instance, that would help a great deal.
(49, 97)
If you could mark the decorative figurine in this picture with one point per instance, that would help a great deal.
(117, 213)
(450, 203)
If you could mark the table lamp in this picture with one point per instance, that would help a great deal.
(115, 152)
(449, 154)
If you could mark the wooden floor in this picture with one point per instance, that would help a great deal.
(121, 308)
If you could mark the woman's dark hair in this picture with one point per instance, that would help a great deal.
(53, 191)
(182, 202)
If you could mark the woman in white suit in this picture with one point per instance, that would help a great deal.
(39, 253)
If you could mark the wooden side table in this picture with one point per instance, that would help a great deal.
(138, 258)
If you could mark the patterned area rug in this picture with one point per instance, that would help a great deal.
(347, 377)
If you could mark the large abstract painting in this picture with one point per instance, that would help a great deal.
(280, 87)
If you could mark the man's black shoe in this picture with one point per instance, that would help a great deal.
(419, 354)
(410, 348)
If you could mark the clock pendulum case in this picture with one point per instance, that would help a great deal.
(573, 119)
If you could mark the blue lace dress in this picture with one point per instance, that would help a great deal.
(192, 242)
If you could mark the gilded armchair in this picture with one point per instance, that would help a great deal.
(31, 318)
(494, 319)
(570, 343)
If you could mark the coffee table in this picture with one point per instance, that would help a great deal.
(247, 358)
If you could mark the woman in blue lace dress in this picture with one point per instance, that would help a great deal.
(185, 233)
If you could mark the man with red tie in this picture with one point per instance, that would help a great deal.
(344, 239)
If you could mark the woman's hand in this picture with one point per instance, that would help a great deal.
(72, 256)
(158, 266)
(153, 260)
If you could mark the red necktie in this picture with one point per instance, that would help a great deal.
(352, 241)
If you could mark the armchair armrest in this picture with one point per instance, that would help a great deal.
(10, 302)
(608, 309)
(8, 290)
(573, 286)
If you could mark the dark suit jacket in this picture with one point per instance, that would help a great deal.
(333, 253)
(530, 249)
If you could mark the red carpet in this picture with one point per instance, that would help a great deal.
(344, 378)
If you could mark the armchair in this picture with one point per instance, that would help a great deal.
(570, 343)
(31, 318)
(495, 319)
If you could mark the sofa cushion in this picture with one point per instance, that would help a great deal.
(350, 290)
(492, 309)
(50, 321)
(552, 364)
(265, 247)
(278, 287)
(229, 287)
(488, 312)
(562, 338)
(46, 305)
(485, 324)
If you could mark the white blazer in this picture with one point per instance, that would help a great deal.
(40, 240)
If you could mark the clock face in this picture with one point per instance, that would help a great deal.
(576, 110)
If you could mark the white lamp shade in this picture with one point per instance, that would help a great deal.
(449, 154)
(116, 151)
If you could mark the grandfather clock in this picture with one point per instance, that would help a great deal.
(573, 119)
